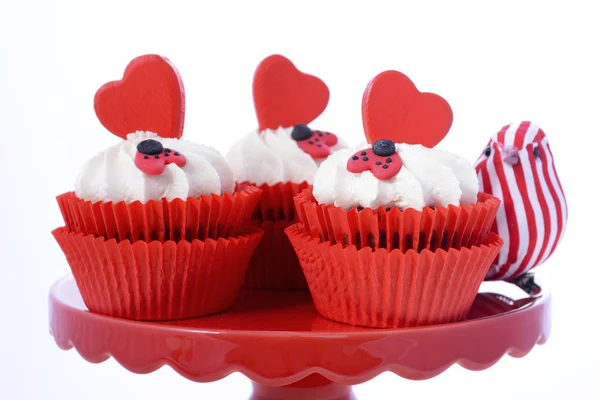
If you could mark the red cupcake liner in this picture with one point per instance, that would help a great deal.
(277, 201)
(387, 289)
(157, 280)
(439, 228)
(195, 218)
(274, 264)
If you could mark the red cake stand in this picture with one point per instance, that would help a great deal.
(278, 340)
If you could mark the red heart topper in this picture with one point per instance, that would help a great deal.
(393, 108)
(284, 96)
(150, 97)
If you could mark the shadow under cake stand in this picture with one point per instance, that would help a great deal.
(280, 342)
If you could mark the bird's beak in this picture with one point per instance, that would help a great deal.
(510, 155)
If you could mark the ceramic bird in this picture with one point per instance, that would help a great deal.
(517, 167)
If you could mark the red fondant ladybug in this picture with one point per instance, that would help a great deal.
(382, 160)
(151, 158)
(317, 144)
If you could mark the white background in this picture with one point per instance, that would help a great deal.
(494, 63)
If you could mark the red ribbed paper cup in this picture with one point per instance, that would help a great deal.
(439, 228)
(158, 280)
(277, 201)
(275, 265)
(205, 217)
(390, 289)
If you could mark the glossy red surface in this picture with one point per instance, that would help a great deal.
(277, 339)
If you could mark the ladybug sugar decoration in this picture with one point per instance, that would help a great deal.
(151, 158)
(382, 160)
(316, 144)
(517, 166)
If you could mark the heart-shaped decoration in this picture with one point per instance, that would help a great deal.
(150, 97)
(284, 96)
(393, 108)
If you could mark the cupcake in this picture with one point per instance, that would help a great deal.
(149, 188)
(395, 233)
(397, 196)
(154, 229)
(281, 158)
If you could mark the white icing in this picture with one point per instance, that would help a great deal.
(427, 178)
(271, 157)
(113, 176)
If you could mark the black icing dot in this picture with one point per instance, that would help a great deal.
(150, 147)
(319, 145)
(355, 158)
(176, 153)
(365, 158)
(388, 160)
(301, 132)
(317, 139)
(385, 166)
(363, 153)
(320, 133)
(157, 156)
(311, 142)
(145, 157)
(378, 163)
(167, 154)
(384, 148)
(167, 149)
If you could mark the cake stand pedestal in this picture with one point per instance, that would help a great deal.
(280, 342)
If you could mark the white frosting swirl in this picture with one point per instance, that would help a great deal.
(271, 157)
(113, 176)
(427, 178)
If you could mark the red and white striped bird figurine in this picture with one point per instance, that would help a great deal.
(517, 167)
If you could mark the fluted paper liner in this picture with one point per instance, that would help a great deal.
(274, 264)
(387, 289)
(157, 280)
(205, 217)
(439, 228)
(277, 201)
